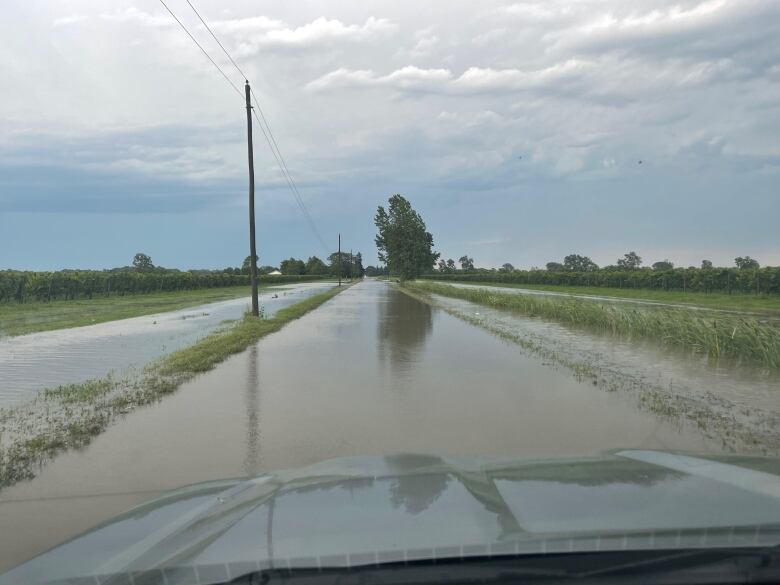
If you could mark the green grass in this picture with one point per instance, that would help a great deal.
(75, 413)
(717, 335)
(768, 304)
(18, 319)
(80, 393)
(215, 348)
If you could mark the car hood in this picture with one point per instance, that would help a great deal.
(365, 510)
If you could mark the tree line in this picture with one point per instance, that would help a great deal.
(351, 266)
(628, 272)
(728, 280)
(406, 247)
(142, 277)
(578, 263)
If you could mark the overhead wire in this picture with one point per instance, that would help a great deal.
(194, 40)
(221, 46)
(264, 125)
(286, 171)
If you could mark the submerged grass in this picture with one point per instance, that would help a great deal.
(723, 335)
(768, 304)
(69, 416)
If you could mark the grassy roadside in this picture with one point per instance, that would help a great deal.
(70, 416)
(18, 319)
(767, 304)
(717, 335)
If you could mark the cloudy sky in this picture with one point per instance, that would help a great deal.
(515, 128)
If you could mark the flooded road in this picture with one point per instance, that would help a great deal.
(30, 363)
(371, 372)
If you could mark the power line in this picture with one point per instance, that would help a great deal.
(269, 137)
(194, 40)
(221, 46)
(293, 188)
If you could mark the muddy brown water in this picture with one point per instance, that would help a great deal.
(371, 372)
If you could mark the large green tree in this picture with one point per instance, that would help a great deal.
(292, 266)
(142, 262)
(316, 266)
(746, 262)
(630, 261)
(577, 263)
(403, 242)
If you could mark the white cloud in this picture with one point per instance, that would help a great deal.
(533, 10)
(252, 24)
(473, 80)
(255, 34)
(409, 77)
(68, 20)
(136, 16)
(627, 29)
(490, 36)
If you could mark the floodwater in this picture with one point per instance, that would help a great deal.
(30, 363)
(748, 388)
(371, 372)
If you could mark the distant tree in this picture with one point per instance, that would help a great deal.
(705, 264)
(333, 262)
(746, 262)
(555, 267)
(246, 264)
(142, 263)
(506, 268)
(356, 263)
(375, 271)
(466, 263)
(630, 261)
(316, 266)
(450, 265)
(402, 239)
(292, 266)
(577, 263)
(663, 265)
(441, 265)
(260, 269)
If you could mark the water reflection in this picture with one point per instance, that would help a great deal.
(416, 492)
(403, 327)
(251, 458)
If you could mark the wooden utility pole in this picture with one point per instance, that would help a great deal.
(252, 245)
(339, 259)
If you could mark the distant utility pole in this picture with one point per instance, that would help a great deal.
(252, 245)
(351, 264)
(339, 259)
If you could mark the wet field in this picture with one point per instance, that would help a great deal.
(30, 363)
(373, 371)
(643, 303)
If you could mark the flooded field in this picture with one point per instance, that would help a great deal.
(373, 371)
(30, 363)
